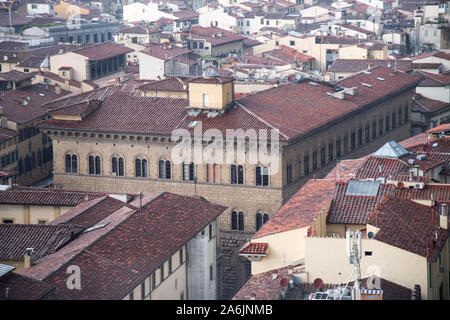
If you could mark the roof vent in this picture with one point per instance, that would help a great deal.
(411, 161)
(421, 157)
(192, 124)
(315, 84)
(339, 95)
(381, 79)
(366, 85)
(367, 72)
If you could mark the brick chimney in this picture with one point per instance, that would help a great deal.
(28, 258)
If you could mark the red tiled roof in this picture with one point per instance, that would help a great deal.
(442, 127)
(357, 65)
(414, 140)
(259, 248)
(178, 84)
(347, 209)
(81, 109)
(89, 213)
(23, 288)
(302, 208)
(15, 76)
(213, 80)
(346, 169)
(14, 108)
(409, 226)
(422, 104)
(262, 286)
(438, 192)
(295, 109)
(6, 134)
(103, 51)
(131, 247)
(211, 34)
(40, 196)
(165, 52)
(434, 80)
(44, 239)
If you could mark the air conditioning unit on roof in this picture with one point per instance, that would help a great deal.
(419, 186)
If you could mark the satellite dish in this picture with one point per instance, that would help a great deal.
(284, 282)
(370, 235)
(318, 283)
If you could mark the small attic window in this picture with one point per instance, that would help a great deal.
(381, 79)
(366, 85)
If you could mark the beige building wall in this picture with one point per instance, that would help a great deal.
(31, 214)
(79, 64)
(326, 259)
(171, 288)
(65, 9)
(285, 248)
(219, 95)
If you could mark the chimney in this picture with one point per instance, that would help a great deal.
(443, 217)
(28, 258)
(57, 89)
(5, 57)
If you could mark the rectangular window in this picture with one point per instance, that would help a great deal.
(338, 148)
(322, 156)
(210, 232)
(367, 133)
(143, 290)
(194, 45)
(170, 265)
(394, 120)
(330, 152)
(181, 256)
(374, 129)
(380, 127)
(200, 45)
(314, 160)
(353, 141)
(7, 221)
(360, 136)
(387, 127)
(205, 100)
(153, 281)
(345, 143)
(211, 272)
(162, 272)
(406, 111)
(306, 165)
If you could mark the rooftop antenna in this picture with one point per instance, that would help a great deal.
(354, 249)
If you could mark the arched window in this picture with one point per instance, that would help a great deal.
(237, 174)
(71, 163)
(261, 219)
(94, 165)
(141, 167)
(165, 169)
(188, 171)
(91, 165)
(262, 176)
(117, 166)
(97, 165)
(237, 220)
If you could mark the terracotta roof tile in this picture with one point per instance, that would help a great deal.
(301, 209)
(103, 51)
(23, 288)
(409, 226)
(255, 248)
(346, 209)
(130, 247)
(44, 239)
(262, 286)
